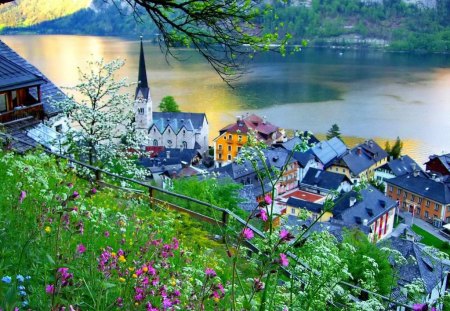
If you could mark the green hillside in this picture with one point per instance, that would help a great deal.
(30, 12)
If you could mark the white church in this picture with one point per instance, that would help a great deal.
(183, 130)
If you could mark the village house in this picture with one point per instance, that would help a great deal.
(326, 152)
(280, 159)
(298, 207)
(168, 129)
(397, 167)
(360, 162)
(26, 108)
(234, 136)
(425, 197)
(439, 165)
(324, 182)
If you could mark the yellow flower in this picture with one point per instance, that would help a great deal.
(113, 255)
(122, 258)
(122, 280)
(173, 282)
(134, 275)
(216, 299)
(131, 268)
(48, 229)
(145, 269)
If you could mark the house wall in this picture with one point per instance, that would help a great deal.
(423, 207)
(227, 146)
(383, 226)
(289, 179)
(296, 211)
(302, 171)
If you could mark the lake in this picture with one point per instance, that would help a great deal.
(368, 94)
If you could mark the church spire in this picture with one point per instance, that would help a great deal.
(142, 76)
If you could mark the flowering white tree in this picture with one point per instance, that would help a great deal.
(102, 118)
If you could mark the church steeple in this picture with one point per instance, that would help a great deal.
(143, 100)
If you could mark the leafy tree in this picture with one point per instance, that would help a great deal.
(378, 276)
(387, 147)
(334, 131)
(168, 104)
(396, 151)
(102, 118)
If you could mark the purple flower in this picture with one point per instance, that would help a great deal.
(75, 195)
(284, 260)
(268, 199)
(81, 248)
(94, 190)
(50, 289)
(22, 196)
(106, 234)
(248, 233)
(263, 215)
(119, 302)
(285, 235)
(210, 272)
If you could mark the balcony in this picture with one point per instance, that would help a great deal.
(32, 111)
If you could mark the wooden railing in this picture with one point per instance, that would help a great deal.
(226, 216)
(36, 111)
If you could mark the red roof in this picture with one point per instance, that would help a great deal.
(303, 195)
(252, 122)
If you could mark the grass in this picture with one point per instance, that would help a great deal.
(431, 240)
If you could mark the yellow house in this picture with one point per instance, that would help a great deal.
(299, 208)
(361, 161)
(233, 136)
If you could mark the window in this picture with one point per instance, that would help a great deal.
(428, 203)
(426, 214)
(399, 191)
(413, 197)
(154, 130)
(58, 128)
(404, 204)
(405, 194)
(239, 149)
(419, 200)
(220, 147)
(240, 138)
(141, 111)
(437, 206)
(229, 148)
(169, 142)
(3, 106)
(447, 219)
(293, 211)
(168, 130)
(337, 169)
(390, 188)
(225, 137)
(155, 142)
(220, 156)
(229, 157)
(230, 137)
(184, 144)
(184, 132)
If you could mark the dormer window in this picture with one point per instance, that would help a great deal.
(141, 111)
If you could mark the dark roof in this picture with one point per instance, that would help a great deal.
(328, 151)
(19, 131)
(371, 205)
(296, 140)
(310, 206)
(425, 266)
(424, 186)
(50, 92)
(363, 156)
(13, 76)
(169, 156)
(304, 157)
(324, 179)
(401, 166)
(142, 76)
(278, 157)
(178, 120)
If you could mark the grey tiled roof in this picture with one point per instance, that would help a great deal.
(178, 120)
(13, 76)
(50, 92)
(324, 179)
(424, 186)
(304, 157)
(371, 206)
(19, 131)
(278, 157)
(310, 206)
(401, 166)
(328, 151)
(291, 143)
(425, 266)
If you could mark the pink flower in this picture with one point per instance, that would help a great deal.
(81, 249)
(284, 260)
(75, 195)
(285, 235)
(248, 233)
(210, 272)
(23, 195)
(106, 234)
(268, 199)
(50, 289)
(263, 215)
(94, 190)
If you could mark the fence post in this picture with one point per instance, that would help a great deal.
(150, 195)
(98, 175)
(224, 218)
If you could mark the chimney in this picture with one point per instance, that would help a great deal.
(359, 151)
(168, 154)
(433, 176)
(370, 143)
(365, 222)
(413, 166)
(239, 118)
(297, 133)
(264, 120)
(416, 173)
(352, 201)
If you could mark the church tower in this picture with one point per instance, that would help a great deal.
(143, 100)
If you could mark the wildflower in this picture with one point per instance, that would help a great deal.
(247, 233)
(263, 215)
(22, 196)
(284, 260)
(122, 258)
(121, 279)
(215, 296)
(145, 269)
(20, 278)
(25, 303)
(75, 195)
(50, 289)
(268, 199)
(134, 276)
(48, 229)
(28, 278)
(210, 272)
(6, 279)
(70, 185)
(167, 303)
(285, 235)
(258, 285)
(81, 248)
(22, 293)
(21, 287)
(119, 302)
(131, 269)
(106, 234)
(94, 190)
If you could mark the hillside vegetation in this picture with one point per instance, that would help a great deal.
(30, 12)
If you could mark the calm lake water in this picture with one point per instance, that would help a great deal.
(368, 94)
